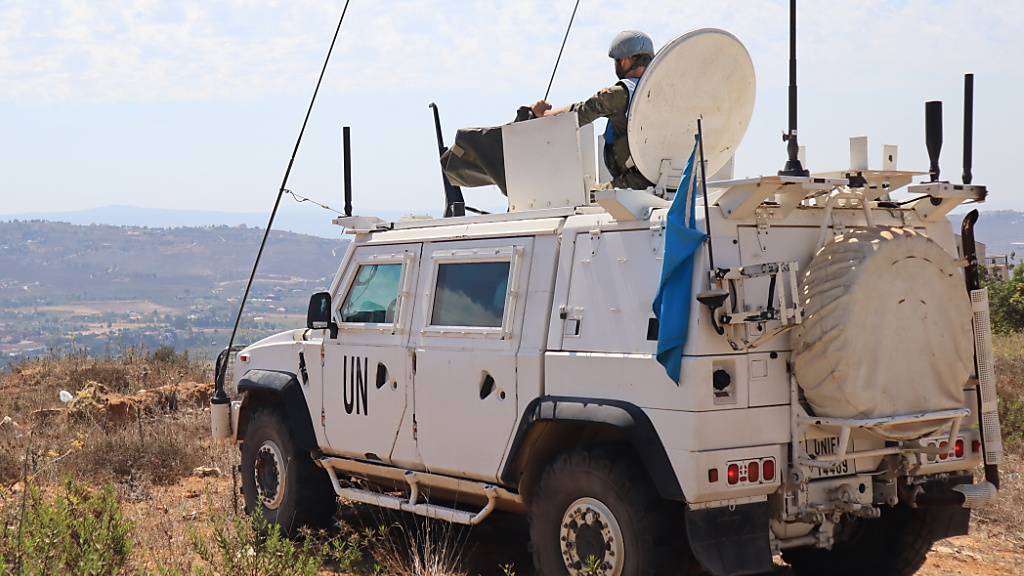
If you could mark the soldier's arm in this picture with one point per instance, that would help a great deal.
(607, 102)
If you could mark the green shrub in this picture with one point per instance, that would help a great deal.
(169, 355)
(252, 546)
(1006, 301)
(79, 531)
(1011, 419)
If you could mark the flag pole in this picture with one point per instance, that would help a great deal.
(704, 190)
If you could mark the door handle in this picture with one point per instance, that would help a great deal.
(486, 386)
(382, 375)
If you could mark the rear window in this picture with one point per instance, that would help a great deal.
(470, 294)
(373, 296)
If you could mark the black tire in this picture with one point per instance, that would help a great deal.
(896, 544)
(305, 498)
(589, 480)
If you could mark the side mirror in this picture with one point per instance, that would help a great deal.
(318, 316)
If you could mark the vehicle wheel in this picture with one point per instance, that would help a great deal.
(896, 544)
(281, 482)
(596, 513)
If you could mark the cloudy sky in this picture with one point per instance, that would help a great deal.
(196, 104)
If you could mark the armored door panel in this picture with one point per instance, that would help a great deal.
(309, 370)
(613, 284)
(467, 333)
(367, 375)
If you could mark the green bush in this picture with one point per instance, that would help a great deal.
(1006, 301)
(169, 355)
(79, 531)
(1011, 419)
(251, 545)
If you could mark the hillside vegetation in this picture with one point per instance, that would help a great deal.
(44, 263)
(104, 288)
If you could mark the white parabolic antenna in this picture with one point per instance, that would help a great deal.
(706, 73)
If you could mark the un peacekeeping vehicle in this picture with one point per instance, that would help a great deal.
(835, 395)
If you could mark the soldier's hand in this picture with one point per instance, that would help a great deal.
(540, 108)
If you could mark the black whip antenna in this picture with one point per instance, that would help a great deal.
(560, 50)
(793, 166)
(220, 397)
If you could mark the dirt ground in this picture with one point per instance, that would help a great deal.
(141, 425)
(166, 518)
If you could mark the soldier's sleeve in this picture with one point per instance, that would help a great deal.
(607, 102)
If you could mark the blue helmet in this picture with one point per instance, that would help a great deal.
(630, 43)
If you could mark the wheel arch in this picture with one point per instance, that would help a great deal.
(552, 424)
(282, 391)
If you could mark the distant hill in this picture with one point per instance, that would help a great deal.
(291, 218)
(1002, 231)
(56, 263)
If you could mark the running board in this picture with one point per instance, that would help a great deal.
(412, 504)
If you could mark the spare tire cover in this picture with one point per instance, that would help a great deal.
(886, 329)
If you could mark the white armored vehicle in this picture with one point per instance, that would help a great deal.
(835, 392)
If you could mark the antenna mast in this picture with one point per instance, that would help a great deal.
(793, 166)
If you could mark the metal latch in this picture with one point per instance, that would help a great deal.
(761, 216)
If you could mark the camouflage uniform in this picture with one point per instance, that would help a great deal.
(613, 103)
(476, 158)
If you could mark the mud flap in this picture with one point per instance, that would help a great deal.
(947, 522)
(731, 541)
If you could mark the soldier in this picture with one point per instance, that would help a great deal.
(632, 52)
(476, 158)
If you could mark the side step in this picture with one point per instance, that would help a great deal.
(412, 504)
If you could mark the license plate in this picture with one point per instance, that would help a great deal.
(828, 446)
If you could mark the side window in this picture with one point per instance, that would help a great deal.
(373, 296)
(470, 294)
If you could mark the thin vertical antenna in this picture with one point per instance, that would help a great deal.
(793, 166)
(968, 126)
(560, 50)
(220, 368)
(346, 145)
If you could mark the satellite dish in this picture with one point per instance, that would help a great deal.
(706, 73)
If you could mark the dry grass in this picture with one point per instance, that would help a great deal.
(135, 426)
(1009, 350)
(137, 423)
(116, 428)
(1006, 516)
(413, 546)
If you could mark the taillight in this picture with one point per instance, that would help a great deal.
(943, 450)
(243, 357)
(753, 472)
(958, 449)
(712, 475)
(768, 470)
(976, 446)
(732, 474)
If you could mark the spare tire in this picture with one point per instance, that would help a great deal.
(886, 329)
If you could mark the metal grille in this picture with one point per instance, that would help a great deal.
(986, 377)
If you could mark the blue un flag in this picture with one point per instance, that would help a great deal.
(672, 304)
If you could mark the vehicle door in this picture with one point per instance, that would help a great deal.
(367, 368)
(467, 333)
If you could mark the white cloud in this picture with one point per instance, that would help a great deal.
(107, 50)
(866, 67)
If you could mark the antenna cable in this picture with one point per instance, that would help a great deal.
(222, 359)
(560, 50)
